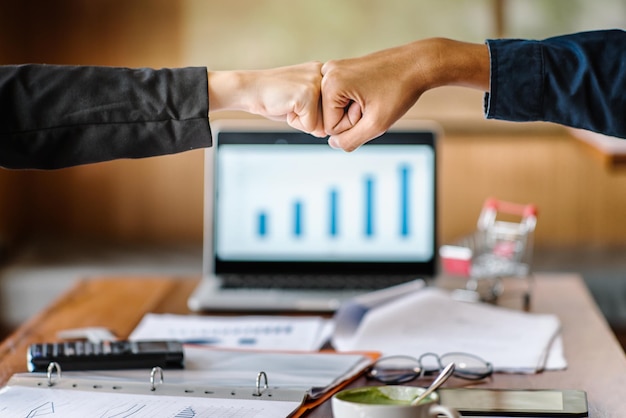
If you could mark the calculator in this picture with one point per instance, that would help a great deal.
(105, 355)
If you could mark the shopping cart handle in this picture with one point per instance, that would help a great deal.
(511, 208)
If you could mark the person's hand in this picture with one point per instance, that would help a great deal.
(290, 94)
(362, 97)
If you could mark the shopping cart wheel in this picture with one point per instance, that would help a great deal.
(497, 288)
(530, 280)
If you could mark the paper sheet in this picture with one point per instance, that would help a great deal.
(254, 332)
(25, 402)
(430, 320)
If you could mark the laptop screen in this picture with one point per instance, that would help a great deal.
(285, 202)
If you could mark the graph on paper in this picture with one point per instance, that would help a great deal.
(310, 202)
(24, 402)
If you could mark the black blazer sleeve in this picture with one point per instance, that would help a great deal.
(61, 116)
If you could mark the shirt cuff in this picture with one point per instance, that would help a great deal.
(516, 82)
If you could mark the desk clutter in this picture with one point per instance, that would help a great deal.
(431, 320)
(270, 366)
(408, 319)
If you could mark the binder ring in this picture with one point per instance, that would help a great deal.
(259, 392)
(154, 371)
(53, 365)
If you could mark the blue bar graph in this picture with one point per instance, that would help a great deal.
(338, 215)
(262, 224)
(333, 227)
(404, 200)
(369, 206)
(297, 218)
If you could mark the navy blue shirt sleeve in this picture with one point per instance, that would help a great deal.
(577, 80)
(60, 116)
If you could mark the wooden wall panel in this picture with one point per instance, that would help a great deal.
(160, 199)
(580, 202)
(157, 199)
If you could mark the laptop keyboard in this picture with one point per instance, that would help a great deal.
(317, 282)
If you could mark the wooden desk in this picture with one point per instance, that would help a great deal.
(597, 363)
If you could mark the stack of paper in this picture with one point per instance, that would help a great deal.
(430, 320)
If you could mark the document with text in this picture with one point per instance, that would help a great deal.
(430, 320)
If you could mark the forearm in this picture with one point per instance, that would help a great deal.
(456, 63)
(241, 90)
(576, 80)
(290, 94)
(59, 116)
(226, 90)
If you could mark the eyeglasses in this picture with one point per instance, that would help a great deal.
(402, 369)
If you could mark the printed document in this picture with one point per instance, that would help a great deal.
(20, 402)
(430, 320)
(264, 332)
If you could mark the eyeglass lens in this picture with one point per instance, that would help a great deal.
(468, 366)
(395, 369)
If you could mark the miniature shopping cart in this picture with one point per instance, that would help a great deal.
(501, 247)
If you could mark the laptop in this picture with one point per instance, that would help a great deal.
(294, 225)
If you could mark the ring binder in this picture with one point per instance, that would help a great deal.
(53, 365)
(261, 387)
(152, 373)
(90, 396)
(76, 395)
(259, 392)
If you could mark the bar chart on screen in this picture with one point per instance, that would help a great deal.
(332, 198)
(335, 203)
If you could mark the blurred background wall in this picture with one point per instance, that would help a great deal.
(159, 200)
